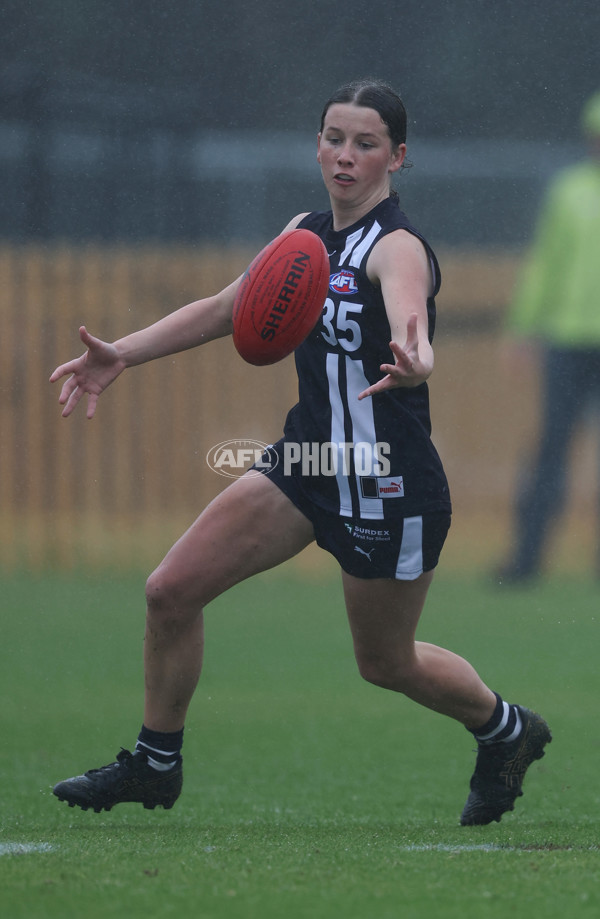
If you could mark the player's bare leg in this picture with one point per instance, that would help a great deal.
(383, 617)
(250, 527)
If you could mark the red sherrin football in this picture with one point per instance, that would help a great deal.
(280, 297)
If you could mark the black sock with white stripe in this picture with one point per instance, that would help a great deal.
(163, 750)
(503, 727)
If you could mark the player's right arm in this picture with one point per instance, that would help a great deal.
(102, 362)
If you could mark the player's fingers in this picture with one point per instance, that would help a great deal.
(400, 353)
(72, 401)
(91, 406)
(375, 388)
(413, 321)
(61, 371)
(87, 339)
(404, 362)
(67, 389)
(412, 333)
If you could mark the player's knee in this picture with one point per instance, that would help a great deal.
(387, 674)
(165, 594)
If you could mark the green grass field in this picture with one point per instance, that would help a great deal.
(308, 793)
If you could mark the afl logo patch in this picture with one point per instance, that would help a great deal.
(342, 282)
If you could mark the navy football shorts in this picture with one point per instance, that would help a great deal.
(401, 548)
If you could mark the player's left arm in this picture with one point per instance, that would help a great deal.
(400, 266)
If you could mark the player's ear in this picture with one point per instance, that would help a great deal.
(319, 147)
(397, 158)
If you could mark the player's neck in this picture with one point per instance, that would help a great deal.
(347, 213)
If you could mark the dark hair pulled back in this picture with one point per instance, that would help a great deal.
(377, 95)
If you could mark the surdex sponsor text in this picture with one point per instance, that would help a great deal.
(368, 533)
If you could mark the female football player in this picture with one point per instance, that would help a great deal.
(362, 379)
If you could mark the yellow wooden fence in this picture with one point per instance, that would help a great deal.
(117, 490)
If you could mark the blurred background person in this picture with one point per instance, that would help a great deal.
(555, 318)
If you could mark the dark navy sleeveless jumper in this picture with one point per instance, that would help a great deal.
(384, 462)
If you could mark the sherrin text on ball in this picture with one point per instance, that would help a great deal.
(280, 297)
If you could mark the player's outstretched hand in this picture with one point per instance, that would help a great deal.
(91, 373)
(408, 369)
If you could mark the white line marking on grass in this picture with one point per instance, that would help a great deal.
(24, 848)
(492, 847)
(443, 847)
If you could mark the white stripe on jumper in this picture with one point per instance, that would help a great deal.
(357, 255)
(363, 431)
(350, 243)
(338, 435)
